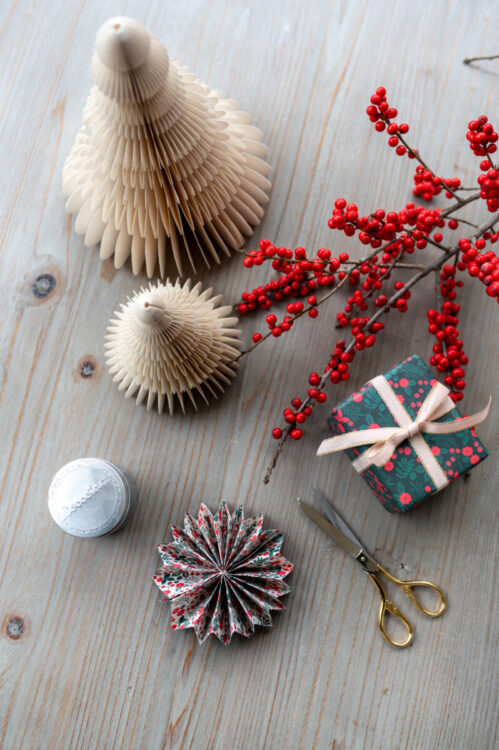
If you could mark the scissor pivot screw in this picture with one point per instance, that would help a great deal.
(362, 558)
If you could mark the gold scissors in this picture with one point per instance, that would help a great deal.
(338, 530)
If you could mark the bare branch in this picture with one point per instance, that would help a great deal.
(469, 60)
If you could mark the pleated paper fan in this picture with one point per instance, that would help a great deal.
(171, 341)
(162, 164)
(223, 574)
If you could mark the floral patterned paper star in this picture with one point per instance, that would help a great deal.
(223, 574)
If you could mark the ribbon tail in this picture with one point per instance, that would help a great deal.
(354, 439)
(444, 428)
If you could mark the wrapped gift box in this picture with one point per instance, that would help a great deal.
(424, 462)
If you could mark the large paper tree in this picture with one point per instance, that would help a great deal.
(162, 165)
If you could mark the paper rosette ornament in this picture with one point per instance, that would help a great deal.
(223, 574)
(171, 341)
(162, 163)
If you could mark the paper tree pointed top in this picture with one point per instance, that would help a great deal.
(162, 165)
(223, 573)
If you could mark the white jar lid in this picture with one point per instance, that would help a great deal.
(90, 497)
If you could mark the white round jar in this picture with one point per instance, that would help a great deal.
(91, 497)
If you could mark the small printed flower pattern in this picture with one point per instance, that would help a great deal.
(403, 483)
(223, 573)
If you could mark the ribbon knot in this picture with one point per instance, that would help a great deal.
(381, 452)
(412, 430)
(384, 441)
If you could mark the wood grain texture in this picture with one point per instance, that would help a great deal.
(95, 664)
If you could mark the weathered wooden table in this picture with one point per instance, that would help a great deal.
(87, 656)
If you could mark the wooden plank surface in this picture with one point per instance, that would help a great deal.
(96, 665)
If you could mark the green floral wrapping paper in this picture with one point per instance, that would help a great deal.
(403, 483)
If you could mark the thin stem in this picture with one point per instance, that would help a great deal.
(433, 242)
(465, 221)
(424, 164)
(414, 280)
(412, 266)
(469, 60)
(344, 263)
(440, 303)
(464, 202)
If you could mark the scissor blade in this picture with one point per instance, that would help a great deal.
(335, 517)
(352, 548)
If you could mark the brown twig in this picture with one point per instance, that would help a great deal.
(469, 60)
(464, 202)
(423, 163)
(324, 263)
(465, 221)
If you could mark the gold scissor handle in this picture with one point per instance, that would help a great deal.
(408, 587)
(386, 606)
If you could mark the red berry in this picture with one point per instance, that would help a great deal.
(296, 434)
(276, 433)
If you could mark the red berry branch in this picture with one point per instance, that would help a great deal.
(304, 283)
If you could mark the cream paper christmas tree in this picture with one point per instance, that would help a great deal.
(171, 341)
(162, 165)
